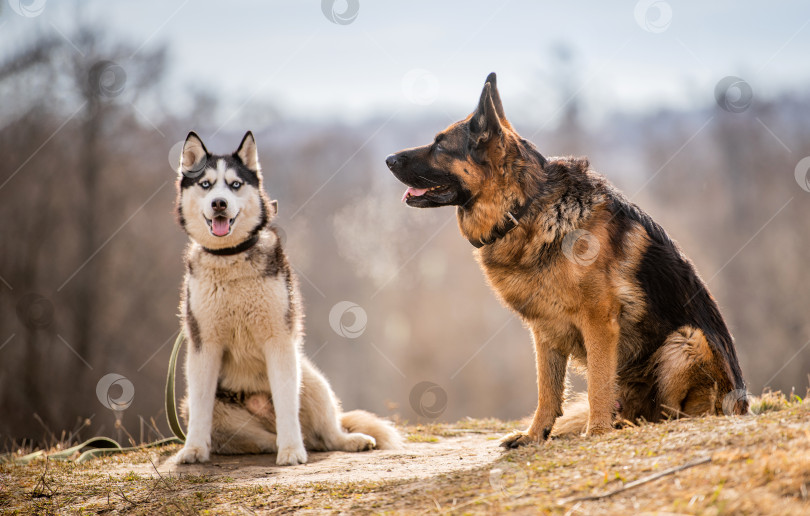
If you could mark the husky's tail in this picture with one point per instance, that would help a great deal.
(382, 431)
(574, 420)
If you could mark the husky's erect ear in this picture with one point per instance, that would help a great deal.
(247, 152)
(194, 155)
(485, 125)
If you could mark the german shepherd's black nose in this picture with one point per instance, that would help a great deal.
(393, 161)
(219, 204)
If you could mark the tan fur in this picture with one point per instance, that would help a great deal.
(593, 277)
(684, 355)
(622, 278)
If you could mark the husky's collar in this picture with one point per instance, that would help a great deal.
(509, 222)
(230, 251)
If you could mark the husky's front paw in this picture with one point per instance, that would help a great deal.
(192, 453)
(291, 455)
(359, 442)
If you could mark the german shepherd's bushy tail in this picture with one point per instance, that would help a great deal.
(367, 423)
(574, 420)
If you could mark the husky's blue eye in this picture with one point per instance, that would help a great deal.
(235, 185)
(205, 184)
(439, 147)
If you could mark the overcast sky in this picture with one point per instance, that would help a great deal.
(417, 56)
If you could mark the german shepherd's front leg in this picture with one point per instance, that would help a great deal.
(551, 365)
(601, 337)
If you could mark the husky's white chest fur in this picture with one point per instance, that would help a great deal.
(240, 303)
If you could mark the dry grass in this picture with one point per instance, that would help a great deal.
(759, 465)
(431, 432)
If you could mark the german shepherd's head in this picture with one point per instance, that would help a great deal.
(220, 199)
(479, 164)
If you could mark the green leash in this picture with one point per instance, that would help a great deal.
(100, 446)
(171, 403)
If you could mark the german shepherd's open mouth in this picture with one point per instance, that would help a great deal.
(429, 186)
(439, 193)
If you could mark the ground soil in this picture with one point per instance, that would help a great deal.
(758, 464)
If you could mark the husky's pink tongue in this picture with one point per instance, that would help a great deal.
(413, 192)
(220, 226)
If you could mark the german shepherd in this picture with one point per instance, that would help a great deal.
(250, 387)
(592, 276)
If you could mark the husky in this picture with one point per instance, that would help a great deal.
(593, 277)
(250, 389)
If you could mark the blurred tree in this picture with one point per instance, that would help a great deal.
(58, 197)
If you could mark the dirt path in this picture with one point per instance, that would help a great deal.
(759, 464)
(419, 460)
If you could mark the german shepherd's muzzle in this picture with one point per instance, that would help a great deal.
(429, 185)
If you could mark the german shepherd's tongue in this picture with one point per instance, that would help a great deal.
(413, 192)
(220, 226)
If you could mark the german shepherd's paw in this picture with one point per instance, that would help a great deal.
(192, 454)
(518, 439)
(291, 456)
(594, 430)
(358, 442)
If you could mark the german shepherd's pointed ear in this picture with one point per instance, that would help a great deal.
(485, 124)
(247, 153)
(492, 80)
(194, 155)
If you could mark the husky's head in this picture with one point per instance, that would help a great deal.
(220, 200)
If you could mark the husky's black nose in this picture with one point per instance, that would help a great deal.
(393, 161)
(219, 204)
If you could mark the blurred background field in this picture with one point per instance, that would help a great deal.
(97, 95)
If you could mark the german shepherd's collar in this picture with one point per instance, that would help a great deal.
(510, 221)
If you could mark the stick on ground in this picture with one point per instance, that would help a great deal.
(636, 483)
